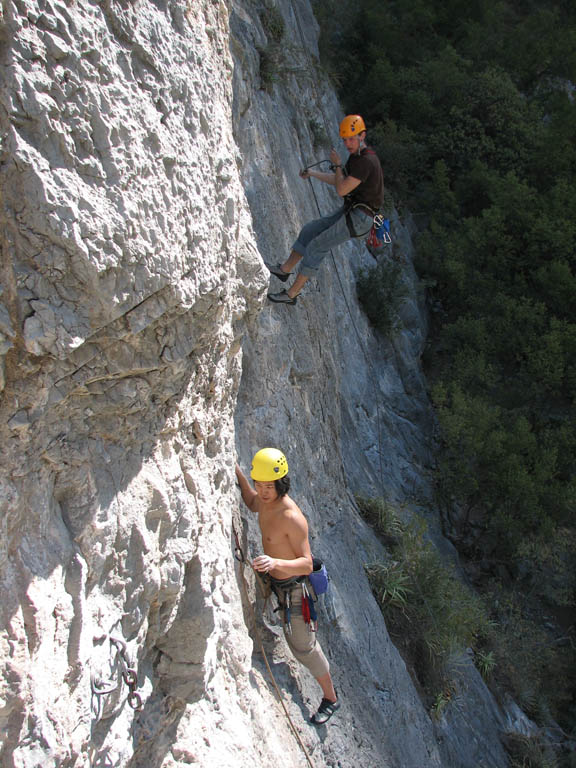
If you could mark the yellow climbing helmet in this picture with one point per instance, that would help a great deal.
(268, 464)
(352, 125)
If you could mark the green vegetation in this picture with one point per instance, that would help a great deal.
(434, 618)
(529, 661)
(434, 614)
(273, 23)
(270, 57)
(269, 67)
(441, 702)
(320, 139)
(472, 109)
(381, 291)
(526, 752)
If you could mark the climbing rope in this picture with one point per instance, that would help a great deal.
(315, 165)
(358, 336)
(368, 361)
(241, 558)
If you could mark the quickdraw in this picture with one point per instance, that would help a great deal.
(309, 609)
(379, 235)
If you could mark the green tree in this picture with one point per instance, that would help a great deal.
(472, 110)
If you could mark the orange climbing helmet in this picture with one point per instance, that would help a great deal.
(268, 464)
(352, 125)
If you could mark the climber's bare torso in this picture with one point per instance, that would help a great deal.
(284, 533)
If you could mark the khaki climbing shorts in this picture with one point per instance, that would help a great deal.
(302, 642)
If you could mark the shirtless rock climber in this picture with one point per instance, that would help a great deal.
(287, 561)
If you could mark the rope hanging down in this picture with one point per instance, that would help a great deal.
(369, 364)
(366, 356)
(241, 558)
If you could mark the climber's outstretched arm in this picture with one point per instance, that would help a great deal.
(249, 495)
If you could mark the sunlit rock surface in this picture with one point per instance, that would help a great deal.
(146, 175)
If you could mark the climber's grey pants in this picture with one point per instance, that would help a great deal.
(318, 237)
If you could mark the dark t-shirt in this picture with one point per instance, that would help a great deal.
(367, 168)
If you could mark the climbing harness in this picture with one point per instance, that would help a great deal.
(351, 206)
(127, 675)
(241, 558)
(379, 233)
(283, 591)
(282, 588)
(367, 358)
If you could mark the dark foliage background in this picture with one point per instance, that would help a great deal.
(471, 107)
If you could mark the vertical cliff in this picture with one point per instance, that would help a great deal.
(149, 166)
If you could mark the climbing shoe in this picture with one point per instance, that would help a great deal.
(282, 298)
(325, 711)
(278, 272)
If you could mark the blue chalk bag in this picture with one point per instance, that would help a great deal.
(319, 577)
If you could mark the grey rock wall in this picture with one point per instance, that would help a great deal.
(350, 410)
(128, 271)
(144, 177)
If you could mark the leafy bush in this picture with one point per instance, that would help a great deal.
(471, 109)
(383, 516)
(273, 23)
(270, 56)
(320, 139)
(539, 672)
(485, 662)
(436, 615)
(269, 66)
(381, 291)
(529, 752)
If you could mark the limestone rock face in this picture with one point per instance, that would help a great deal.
(128, 271)
(148, 169)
